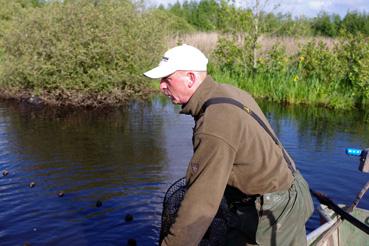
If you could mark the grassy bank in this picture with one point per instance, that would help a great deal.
(336, 77)
(286, 89)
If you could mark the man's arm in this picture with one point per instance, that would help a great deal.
(208, 173)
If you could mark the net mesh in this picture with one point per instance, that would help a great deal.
(216, 233)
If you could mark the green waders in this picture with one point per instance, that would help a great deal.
(273, 219)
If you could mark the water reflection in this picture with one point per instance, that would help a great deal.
(87, 145)
(117, 157)
(320, 126)
(127, 158)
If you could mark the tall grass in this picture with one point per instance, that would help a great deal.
(285, 89)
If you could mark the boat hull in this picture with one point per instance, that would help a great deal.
(335, 232)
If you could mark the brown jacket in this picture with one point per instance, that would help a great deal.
(230, 147)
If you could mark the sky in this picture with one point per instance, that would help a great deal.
(309, 8)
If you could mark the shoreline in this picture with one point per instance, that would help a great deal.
(259, 89)
(73, 99)
(108, 101)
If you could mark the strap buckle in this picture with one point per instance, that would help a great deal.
(247, 109)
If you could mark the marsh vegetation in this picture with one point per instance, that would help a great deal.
(92, 53)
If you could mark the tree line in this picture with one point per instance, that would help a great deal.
(209, 15)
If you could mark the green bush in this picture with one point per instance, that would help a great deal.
(227, 55)
(235, 56)
(354, 56)
(275, 61)
(86, 45)
(14, 8)
(317, 61)
(8, 10)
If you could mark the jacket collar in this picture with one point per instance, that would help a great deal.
(203, 93)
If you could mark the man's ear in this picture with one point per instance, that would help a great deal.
(192, 79)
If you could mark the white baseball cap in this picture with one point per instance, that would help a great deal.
(183, 57)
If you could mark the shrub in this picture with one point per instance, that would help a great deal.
(354, 56)
(14, 8)
(8, 10)
(317, 61)
(275, 61)
(234, 55)
(228, 55)
(83, 46)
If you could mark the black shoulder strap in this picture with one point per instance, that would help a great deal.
(218, 100)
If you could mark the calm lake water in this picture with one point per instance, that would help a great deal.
(127, 158)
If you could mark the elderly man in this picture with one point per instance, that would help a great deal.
(236, 155)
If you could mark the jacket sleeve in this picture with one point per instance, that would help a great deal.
(207, 174)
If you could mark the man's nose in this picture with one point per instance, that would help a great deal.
(163, 86)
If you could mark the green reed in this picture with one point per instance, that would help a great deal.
(289, 89)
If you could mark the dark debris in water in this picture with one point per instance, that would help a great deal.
(131, 242)
(98, 203)
(128, 218)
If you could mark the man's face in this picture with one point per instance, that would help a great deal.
(175, 86)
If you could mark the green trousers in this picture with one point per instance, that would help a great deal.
(273, 219)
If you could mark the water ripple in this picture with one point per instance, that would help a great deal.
(127, 159)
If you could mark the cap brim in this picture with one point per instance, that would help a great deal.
(159, 72)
